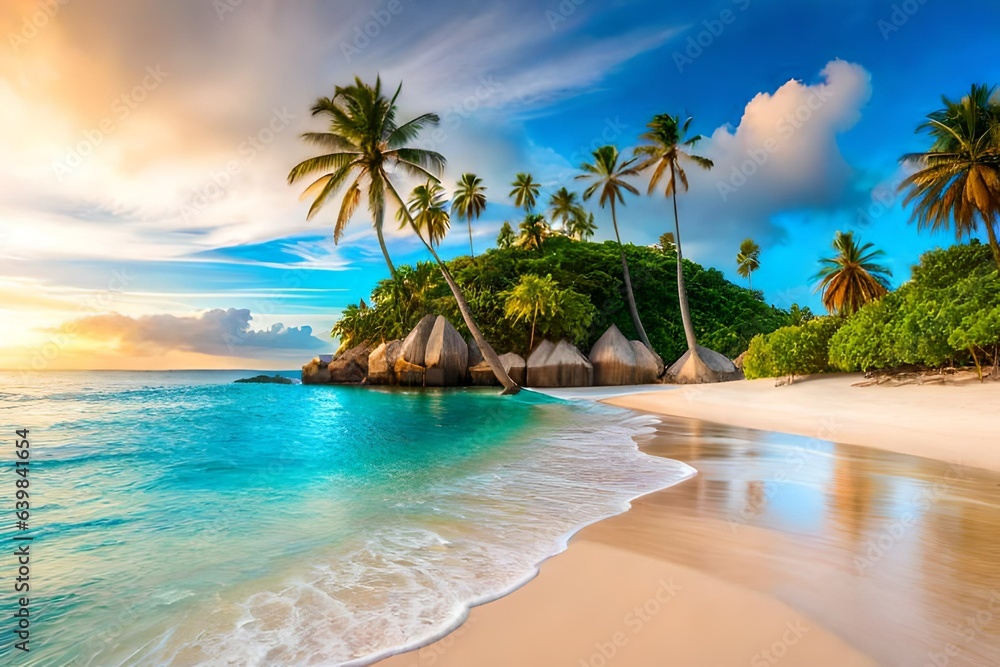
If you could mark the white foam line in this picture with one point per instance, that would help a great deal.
(600, 393)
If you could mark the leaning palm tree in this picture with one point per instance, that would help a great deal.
(531, 297)
(958, 180)
(851, 278)
(748, 259)
(366, 143)
(534, 231)
(667, 149)
(563, 206)
(607, 178)
(524, 192)
(581, 225)
(469, 202)
(429, 211)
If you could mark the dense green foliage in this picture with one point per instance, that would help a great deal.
(793, 350)
(949, 312)
(725, 315)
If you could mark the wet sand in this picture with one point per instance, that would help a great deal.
(783, 549)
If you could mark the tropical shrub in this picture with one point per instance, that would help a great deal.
(792, 350)
(946, 314)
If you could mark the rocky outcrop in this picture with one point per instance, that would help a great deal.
(382, 363)
(434, 354)
(446, 356)
(704, 366)
(648, 365)
(482, 375)
(317, 371)
(351, 367)
(560, 365)
(475, 354)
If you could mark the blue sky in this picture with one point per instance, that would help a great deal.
(150, 141)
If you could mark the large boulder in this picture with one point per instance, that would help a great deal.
(702, 367)
(482, 375)
(446, 356)
(560, 365)
(350, 367)
(648, 365)
(382, 363)
(316, 372)
(475, 354)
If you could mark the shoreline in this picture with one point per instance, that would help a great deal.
(567, 615)
(954, 422)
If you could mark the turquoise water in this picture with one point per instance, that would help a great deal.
(179, 519)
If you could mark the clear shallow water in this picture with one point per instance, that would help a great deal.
(180, 519)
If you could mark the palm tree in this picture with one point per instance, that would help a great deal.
(666, 149)
(581, 225)
(851, 278)
(363, 139)
(564, 206)
(525, 192)
(534, 230)
(748, 259)
(506, 238)
(429, 211)
(958, 181)
(469, 202)
(531, 297)
(608, 178)
(367, 143)
(667, 243)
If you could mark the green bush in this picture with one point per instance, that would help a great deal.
(792, 350)
(946, 314)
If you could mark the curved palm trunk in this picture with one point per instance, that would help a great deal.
(994, 245)
(681, 289)
(379, 219)
(472, 251)
(510, 387)
(628, 285)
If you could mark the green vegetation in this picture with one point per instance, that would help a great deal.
(793, 350)
(469, 202)
(726, 316)
(748, 260)
(949, 313)
(563, 312)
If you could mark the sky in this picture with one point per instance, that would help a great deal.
(145, 217)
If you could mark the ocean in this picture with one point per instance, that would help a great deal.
(180, 519)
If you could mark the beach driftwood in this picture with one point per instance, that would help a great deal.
(560, 365)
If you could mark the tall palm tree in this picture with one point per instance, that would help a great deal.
(429, 211)
(563, 206)
(851, 278)
(469, 202)
(958, 180)
(366, 143)
(525, 192)
(667, 149)
(582, 226)
(363, 139)
(748, 259)
(534, 230)
(607, 178)
(531, 297)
